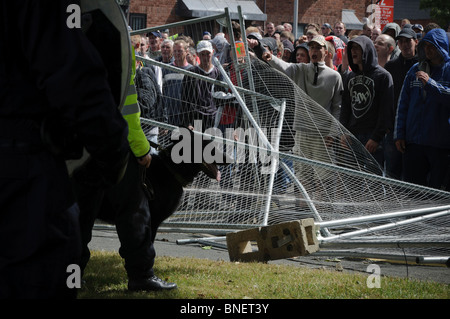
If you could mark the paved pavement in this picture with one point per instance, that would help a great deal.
(169, 244)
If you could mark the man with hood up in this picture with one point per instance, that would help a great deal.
(221, 48)
(422, 124)
(367, 109)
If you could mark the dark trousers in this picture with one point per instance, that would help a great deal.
(426, 165)
(126, 205)
(393, 158)
(39, 233)
(378, 155)
(355, 155)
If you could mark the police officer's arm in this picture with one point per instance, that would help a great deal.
(131, 112)
(138, 141)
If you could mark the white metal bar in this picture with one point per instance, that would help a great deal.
(363, 219)
(383, 227)
(433, 260)
(177, 24)
(383, 244)
(356, 254)
(274, 164)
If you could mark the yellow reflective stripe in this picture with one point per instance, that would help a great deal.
(132, 90)
(132, 108)
(131, 102)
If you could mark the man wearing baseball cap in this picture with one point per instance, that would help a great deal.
(326, 30)
(154, 40)
(198, 103)
(320, 82)
(407, 43)
(206, 35)
(205, 51)
(199, 109)
(418, 28)
(323, 85)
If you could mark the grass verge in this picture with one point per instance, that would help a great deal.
(205, 279)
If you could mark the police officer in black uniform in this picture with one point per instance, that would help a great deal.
(54, 100)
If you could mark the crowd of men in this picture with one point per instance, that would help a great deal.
(56, 99)
(383, 59)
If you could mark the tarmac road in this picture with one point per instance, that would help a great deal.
(166, 245)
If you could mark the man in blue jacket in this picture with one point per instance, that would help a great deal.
(422, 125)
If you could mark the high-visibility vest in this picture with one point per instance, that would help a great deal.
(132, 114)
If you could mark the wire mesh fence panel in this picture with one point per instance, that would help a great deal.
(291, 159)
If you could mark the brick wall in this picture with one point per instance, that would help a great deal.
(161, 12)
(158, 12)
(312, 11)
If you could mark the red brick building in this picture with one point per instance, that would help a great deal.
(149, 13)
(312, 11)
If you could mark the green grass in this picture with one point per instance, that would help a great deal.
(205, 279)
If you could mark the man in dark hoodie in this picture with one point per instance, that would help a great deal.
(368, 97)
(422, 124)
(407, 42)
